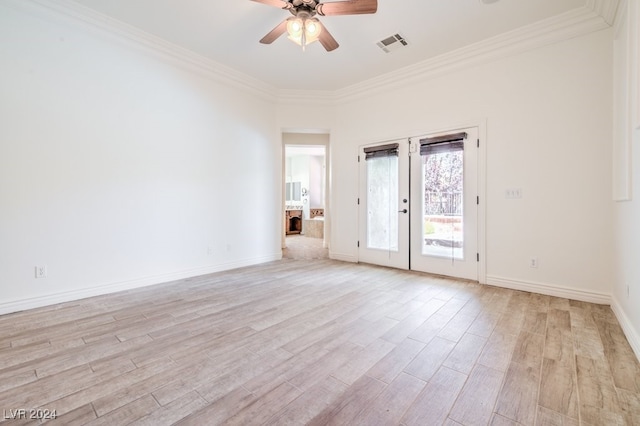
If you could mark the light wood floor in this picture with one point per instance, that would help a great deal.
(303, 247)
(322, 342)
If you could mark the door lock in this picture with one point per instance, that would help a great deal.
(402, 211)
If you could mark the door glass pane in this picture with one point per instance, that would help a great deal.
(382, 203)
(442, 224)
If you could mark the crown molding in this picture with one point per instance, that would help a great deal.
(568, 25)
(306, 97)
(621, 17)
(136, 38)
(608, 9)
(594, 16)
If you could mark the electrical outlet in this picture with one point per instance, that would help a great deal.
(533, 262)
(513, 193)
(41, 271)
(209, 250)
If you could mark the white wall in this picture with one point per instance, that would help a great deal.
(548, 120)
(118, 169)
(305, 121)
(626, 284)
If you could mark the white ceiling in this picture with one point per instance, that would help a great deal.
(228, 33)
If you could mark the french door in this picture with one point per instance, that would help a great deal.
(384, 204)
(418, 203)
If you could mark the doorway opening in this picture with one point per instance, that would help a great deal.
(305, 196)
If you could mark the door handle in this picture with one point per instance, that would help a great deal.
(402, 211)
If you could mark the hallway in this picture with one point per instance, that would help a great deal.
(301, 247)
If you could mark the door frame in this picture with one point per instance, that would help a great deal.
(481, 124)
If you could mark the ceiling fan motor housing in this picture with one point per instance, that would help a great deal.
(308, 3)
(297, 7)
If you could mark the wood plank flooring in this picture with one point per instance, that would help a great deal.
(319, 342)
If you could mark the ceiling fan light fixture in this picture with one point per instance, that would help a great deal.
(294, 27)
(313, 28)
(303, 30)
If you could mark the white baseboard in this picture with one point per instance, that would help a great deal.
(627, 326)
(343, 257)
(68, 296)
(551, 290)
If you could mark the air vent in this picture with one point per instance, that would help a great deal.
(392, 43)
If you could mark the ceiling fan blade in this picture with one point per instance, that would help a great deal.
(352, 7)
(275, 3)
(275, 33)
(326, 39)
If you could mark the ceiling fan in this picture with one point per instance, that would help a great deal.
(304, 28)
